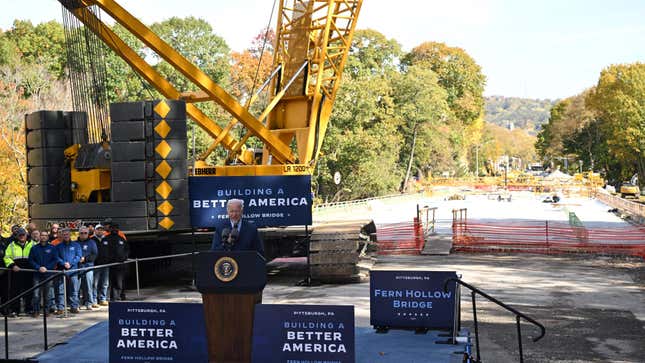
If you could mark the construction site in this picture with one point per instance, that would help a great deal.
(576, 266)
(226, 234)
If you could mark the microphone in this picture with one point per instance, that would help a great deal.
(226, 233)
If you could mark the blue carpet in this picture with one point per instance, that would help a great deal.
(88, 346)
(91, 346)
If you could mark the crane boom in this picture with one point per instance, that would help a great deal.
(321, 32)
(312, 44)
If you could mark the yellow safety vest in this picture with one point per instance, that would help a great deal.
(14, 251)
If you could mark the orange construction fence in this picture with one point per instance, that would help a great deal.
(404, 238)
(547, 237)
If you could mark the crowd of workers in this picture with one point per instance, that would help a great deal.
(30, 256)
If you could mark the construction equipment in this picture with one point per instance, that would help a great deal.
(313, 38)
(628, 189)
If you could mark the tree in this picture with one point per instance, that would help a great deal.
(514, 143)
(619, 100)
(372, 54)
(464, 82)
(362, 141)
(122, 82)
(15, 102)
(422, 105)
(549, 139)
(590, 145)
(194, 39)
(42, 44)
(252, 66)
(568, 118)
(458, 74)
(524, 113)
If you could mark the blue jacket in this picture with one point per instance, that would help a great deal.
(248, 239)
(69, 252)
(89, 251)
(46, 255)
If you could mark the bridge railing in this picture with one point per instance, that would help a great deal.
(637, 209)
(355, 202)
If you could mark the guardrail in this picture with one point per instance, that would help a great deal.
(362, 201)
(58, 274)
(629, 206)
(428, 223)
(518, 316)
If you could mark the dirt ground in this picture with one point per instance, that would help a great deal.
(593, 307)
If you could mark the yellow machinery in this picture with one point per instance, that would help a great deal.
(93, 182)
(629, 190)
(312, 44)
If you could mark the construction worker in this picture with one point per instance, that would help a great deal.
(107, 224)
(44, 236)
(13, 236)
(33, 237)
(101, 275)
(119, 251)
(16, 258)
(89, 251)
(70, 254)
(4, 275)
(31, 227)
(43, 258)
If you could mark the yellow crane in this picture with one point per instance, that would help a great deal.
(312, 44)
(313, 38)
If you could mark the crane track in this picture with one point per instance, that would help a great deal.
(334, 250)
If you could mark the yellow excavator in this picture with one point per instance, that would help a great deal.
(312, 43)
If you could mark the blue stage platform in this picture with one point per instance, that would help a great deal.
(396, 346)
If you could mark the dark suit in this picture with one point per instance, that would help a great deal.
(248, 239)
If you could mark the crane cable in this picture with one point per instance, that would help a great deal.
(264, 42)
(87, 73)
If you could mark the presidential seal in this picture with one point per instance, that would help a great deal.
(226, 269)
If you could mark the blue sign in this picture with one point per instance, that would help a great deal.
(412, 299)
(269, 201)
(303, 333)
(155, 332)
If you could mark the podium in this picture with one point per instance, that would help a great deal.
(231, 283)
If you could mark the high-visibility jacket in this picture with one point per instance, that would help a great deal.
(15, 252)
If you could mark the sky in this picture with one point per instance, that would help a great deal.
(535, 49)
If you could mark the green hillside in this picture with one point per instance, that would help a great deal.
(524, 113)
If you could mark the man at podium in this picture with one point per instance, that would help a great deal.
(236, 234)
